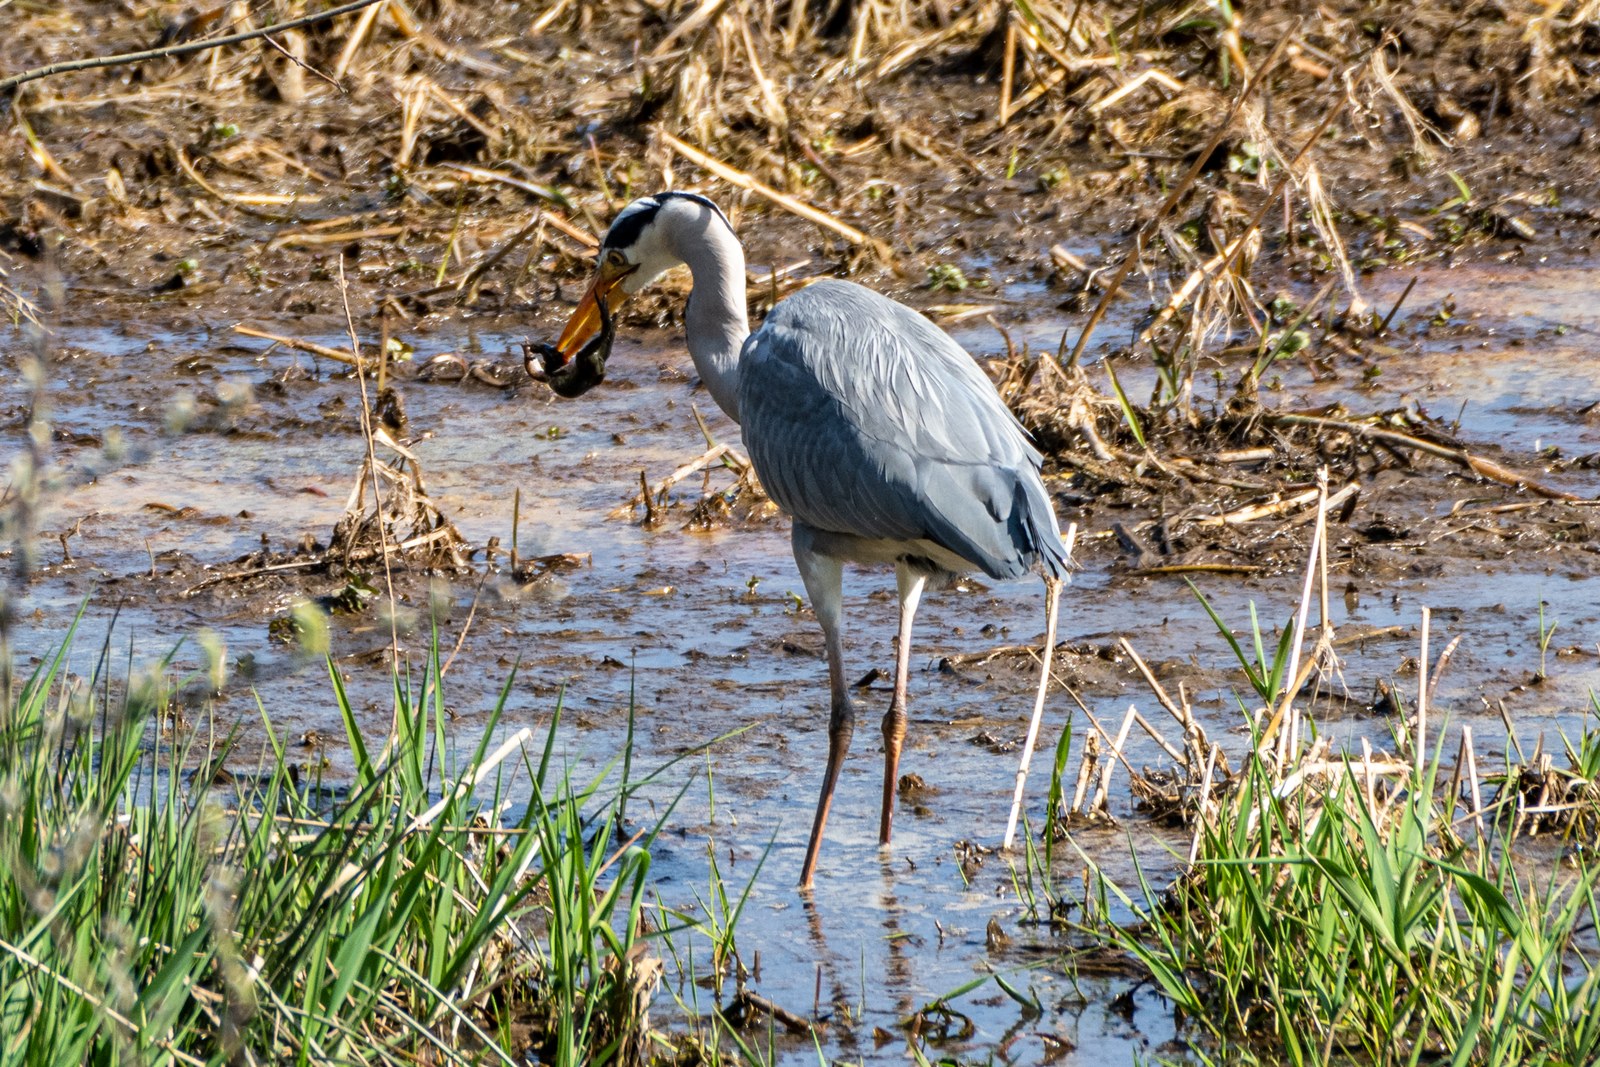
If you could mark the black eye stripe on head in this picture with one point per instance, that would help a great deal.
(629, 225)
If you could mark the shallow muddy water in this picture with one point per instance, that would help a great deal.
(703, 631)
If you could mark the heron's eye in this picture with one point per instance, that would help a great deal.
(615, 258)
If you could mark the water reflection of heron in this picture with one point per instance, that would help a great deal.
(866, 423)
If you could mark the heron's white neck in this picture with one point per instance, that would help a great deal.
(716, 321)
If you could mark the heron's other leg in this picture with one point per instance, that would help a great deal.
(894, 720)
(1052, 589)
(824, 580)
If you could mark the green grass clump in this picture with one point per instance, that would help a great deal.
(1352, 912)
(1319, 931)
(149, 917)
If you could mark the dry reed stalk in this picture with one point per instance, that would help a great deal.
(1161, 742)
(1289, 742)
(698, 19)
(1181, 189)
(1099, 801)
(1205, 274)
(717, 453)
(466, 785)
(1444, 658)
(1202, 817)
(1008, 71)
(1185, 719)
(1474, 785)
(338, 355)
(303, 239)
(352, 42)
(1460, 456)
(902, 56)
(1420, 738)
(1086, 769)
(1133, 85)
(776, 114)
(177, 50)
(1252, 512)
(739, 179)
(1052, 604)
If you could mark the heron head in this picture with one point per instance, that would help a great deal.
(632, 255)
(637, 249)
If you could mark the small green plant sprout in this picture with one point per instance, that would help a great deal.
(1055, 176)
(1246, 159)
(946, 277)
(1289, 342)
(1546, 632)
(224, 131)
(1463, 197)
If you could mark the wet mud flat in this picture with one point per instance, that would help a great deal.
(226, 447)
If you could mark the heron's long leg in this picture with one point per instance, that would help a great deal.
(824, 578)
(894, 720)
(1052, 588)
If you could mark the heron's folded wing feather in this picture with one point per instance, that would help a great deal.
(863, 418)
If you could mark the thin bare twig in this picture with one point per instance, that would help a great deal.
(124, 59)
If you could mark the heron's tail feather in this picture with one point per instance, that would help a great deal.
(1042, 532)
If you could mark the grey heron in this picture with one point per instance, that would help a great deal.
(877, 433)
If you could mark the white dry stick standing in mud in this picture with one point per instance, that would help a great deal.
(1201, 815)
(1070, 540)
(1472, 783)
(1287, 718)
(1104, 788)
(1420, 742)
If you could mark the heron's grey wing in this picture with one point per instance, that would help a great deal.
(864, 418)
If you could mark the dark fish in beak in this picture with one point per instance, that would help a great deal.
(570, 377)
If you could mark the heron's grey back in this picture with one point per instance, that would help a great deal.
(863, 418)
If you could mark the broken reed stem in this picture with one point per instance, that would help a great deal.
(1473, 784)
(123, 59)
(1420, 740)
(716, 453)
(1444, 658)
(741, 180)
(1098, 801)
(1460, 456)
(1086, 768)
(1052, 588)
(1205, 800)
(338, 355)
(377, 501)
(1283, 723)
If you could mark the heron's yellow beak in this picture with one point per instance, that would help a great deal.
(585, 321)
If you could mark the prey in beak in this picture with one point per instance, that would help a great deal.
(574, 375)
(577, 362)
